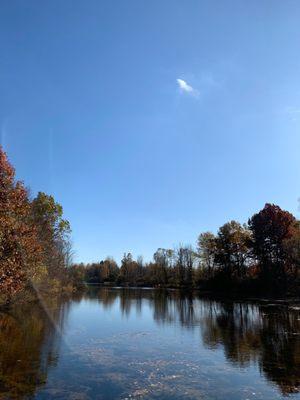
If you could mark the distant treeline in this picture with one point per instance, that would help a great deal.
(35, 248)
(260, 257)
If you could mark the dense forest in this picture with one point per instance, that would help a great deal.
(262, 256)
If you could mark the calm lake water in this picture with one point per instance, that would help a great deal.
(149, 344)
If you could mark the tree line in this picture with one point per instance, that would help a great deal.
(35, 251)
(35, 247)
(262, 256)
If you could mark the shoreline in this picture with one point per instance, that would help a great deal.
(217, 295)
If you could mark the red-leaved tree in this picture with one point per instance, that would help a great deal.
(271, 228)
(19, 249)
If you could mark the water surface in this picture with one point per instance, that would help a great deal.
(149, 344)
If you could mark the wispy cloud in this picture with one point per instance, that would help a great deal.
(185, 87)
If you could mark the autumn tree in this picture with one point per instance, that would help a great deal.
(92, 273)
(162, 261)
(125, 266)
(271, 229)
(20, 253)
(129, 269)
(291, 248)
(53, 233)
(189, 257)
(180, 266)
(232, 249)
(109, 270)
(207, 248)
(184, 262)
(77, 275)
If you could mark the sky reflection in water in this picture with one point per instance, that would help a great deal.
(135, 343)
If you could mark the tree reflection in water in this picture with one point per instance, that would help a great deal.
(265, 335)
(259, 334)
(29, 346)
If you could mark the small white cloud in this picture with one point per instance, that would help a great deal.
(184, 87)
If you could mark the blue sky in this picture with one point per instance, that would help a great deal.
(151, 121)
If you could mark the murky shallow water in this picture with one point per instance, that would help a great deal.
(149, 344)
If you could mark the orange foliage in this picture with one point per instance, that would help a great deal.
(19, 249)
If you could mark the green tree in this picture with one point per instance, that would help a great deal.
(53, 233)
